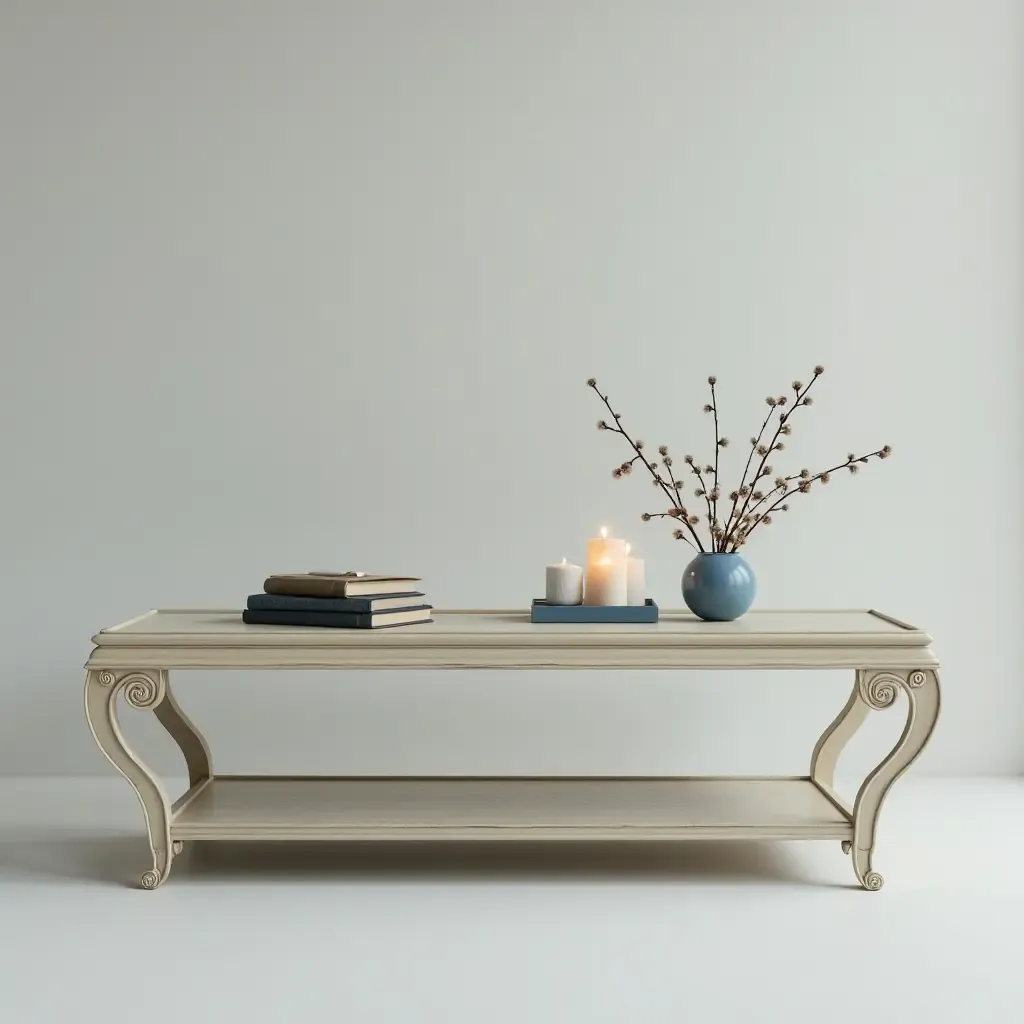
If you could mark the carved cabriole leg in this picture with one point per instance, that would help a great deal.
(141, 690)
(834, 739)
(185, 734)
(830, 746)
(879, 690)
(190, 742)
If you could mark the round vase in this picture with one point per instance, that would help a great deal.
(718, 587)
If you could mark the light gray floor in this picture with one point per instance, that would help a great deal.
(704, 933)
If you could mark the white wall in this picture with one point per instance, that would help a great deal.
(287, 285)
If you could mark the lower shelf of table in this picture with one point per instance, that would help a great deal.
(461, 808)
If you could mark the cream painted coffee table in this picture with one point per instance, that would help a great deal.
(886, 656)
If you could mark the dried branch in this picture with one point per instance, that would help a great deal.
(616, 427)
(712, 381)
(775, 403)
(739, 492)
(852, 464)
(751, 506)
(674, 514)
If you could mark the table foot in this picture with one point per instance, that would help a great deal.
(866, 875)
(869, 879)
(161, 866)
(151, 879)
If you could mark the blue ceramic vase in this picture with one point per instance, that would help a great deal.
(718, 587)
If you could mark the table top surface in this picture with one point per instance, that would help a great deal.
(206, 628)
(507, 639)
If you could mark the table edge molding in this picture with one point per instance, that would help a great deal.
(511, 658)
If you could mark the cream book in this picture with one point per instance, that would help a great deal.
(338, 584)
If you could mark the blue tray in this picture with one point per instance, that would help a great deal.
(541, 611)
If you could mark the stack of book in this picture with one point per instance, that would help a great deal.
(347, 600)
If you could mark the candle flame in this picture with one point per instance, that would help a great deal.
(604, 533)
(629, 547)
(604, 561)
(563, 561)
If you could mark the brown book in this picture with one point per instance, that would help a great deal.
(338, 584)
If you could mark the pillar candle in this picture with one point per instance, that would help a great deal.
(606, 571)
(564, 584)
(635, 590)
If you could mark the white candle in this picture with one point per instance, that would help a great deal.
(606, 570)
(564, 584)
(635, 590)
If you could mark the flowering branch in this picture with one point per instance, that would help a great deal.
(637, 446)
(748, 499)
(743, 490)
(703, 491)
(674, 513)
(765, 450)
(712, 381)
(806, 478)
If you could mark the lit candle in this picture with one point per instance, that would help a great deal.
(606, 570)
(635, 591)
(564, 584)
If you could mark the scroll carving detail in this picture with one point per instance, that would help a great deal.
(879, 690)
(143, 691)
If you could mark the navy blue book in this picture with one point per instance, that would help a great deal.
(359, 605)
(338, 620)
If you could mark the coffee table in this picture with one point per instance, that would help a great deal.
(888, 658)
